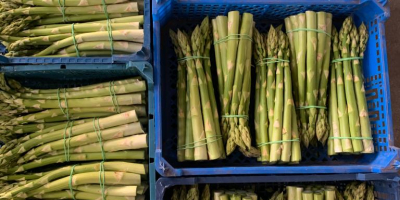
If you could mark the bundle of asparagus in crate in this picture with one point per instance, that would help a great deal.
(351, 129)
(199, 135)
(353, 190)
(309, 36)
(58, 142)
(47, 28)
(233, 51)
(275, 115)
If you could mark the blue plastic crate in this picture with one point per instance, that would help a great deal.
(73, 75)
(386, 186)
(143, 55)
(184, 14)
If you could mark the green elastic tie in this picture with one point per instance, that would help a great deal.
(192, 57)
(309, 29)
(74, 40)
(62, 6)
(272, 60)
(69, 124)
(70, 182)
(99, 137)
(66, 111)
(347, 59)
(353, 138)
(235, 116)
(308, 107)
(109, 28)
(102, 180)
(277, 142)
(233, 37)
(192, 145)
(114, 98)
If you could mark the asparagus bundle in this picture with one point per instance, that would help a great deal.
(181, 193)
(310, 44)
(199, 134)
(41, 134)
(233, 54)
(35, 28)
(276, 124)
(351, 125)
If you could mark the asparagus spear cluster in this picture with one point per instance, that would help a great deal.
(199, 133)
(233, 48)
(46, 28)
(352, 191)
(275, 115)
(351, 129)
(310, 44)
(108, 129)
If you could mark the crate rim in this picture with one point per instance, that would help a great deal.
(164, 183)
(165, 169)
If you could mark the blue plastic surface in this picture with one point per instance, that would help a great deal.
(72, 75)
(184, 14)
(143, 55)
(386, 186)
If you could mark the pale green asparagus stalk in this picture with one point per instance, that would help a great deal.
(352, 108)
(272, 49)
(114, 18)
(276, 137)
(200, 149)
(261, 110)
(312, 84)
(344, 126)
(288, 105)
(218, 56)
(80, 28)
(181, 85)
(111, 178)
(232, 49)
(360, 91)
(208, 117)
(322, 121)
(334, 144)
(211, 92)
(126, 35)
(114, 8)
(302, 69)
(119, 46)
(55, 3)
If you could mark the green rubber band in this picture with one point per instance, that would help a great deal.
(62, 6)
(308, 29)
(70, 182)
(99, 137)
(102, 180)
(347, 59)
(109, 28)
(67, 155)
(308, 107)
(272, 60)
(66, 111)
(192, 57)
(114, 98)
(277, 142)
(74, 40)
(352, 138)
(235, 116)
(202, 140)
(200, 145)
(234, 37)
